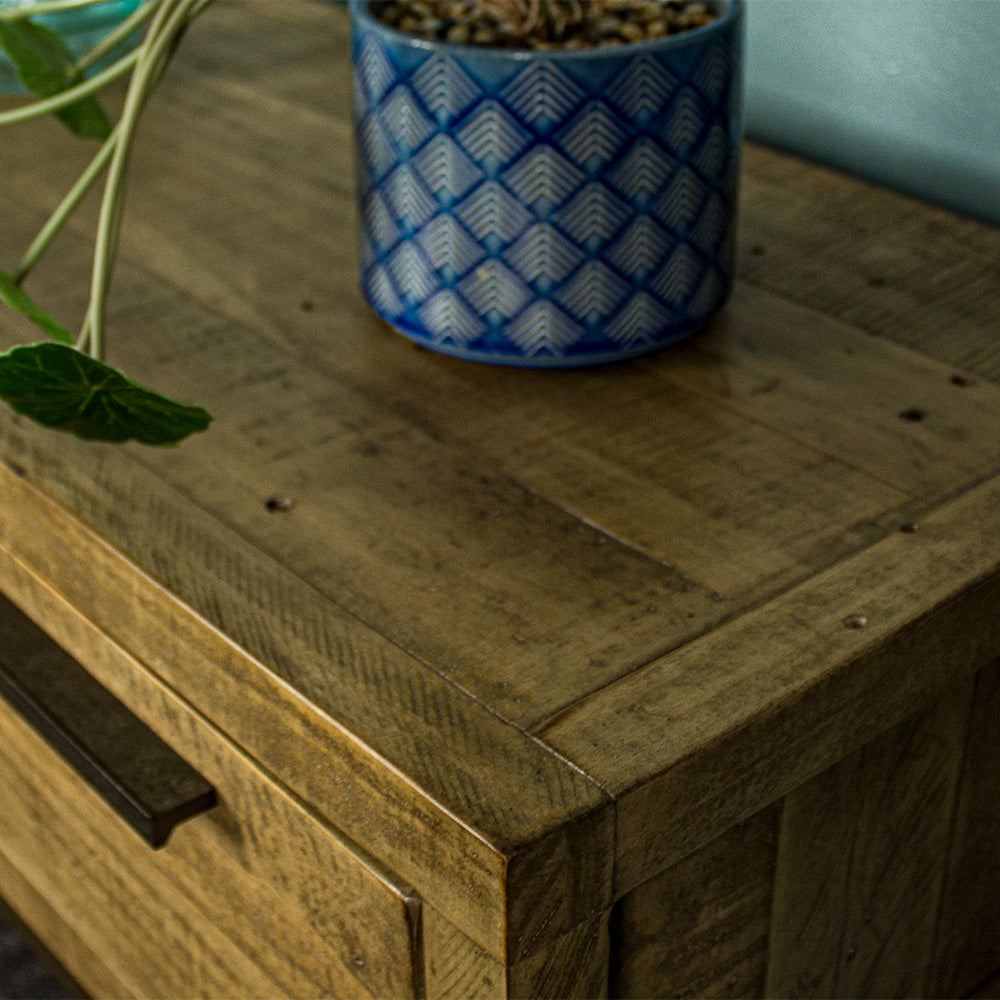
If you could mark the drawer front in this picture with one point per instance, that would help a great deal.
(255, 897)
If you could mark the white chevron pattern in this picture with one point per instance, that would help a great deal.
(491, 136)
(543, 252)
(542, 94)
(642, 88)
(493, 215)
(493, 287)
(640, 322)
(642, 171)
(594, 136)
(544, 328)
(684, 122)
(543, 175)
(444, 87)
(448, 246)
(681, 202)
(593, 216)
(715, 73)
(712, 158)
(410, 273)
(374, 148)
(411, 202)
(594, 292)
(404, 121)
(447, 317)
(640, 249)
(374, 71)
(382, 294)
(679, 277)
(446, 169)
(378, 222)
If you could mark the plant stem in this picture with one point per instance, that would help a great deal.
(118, 35)
(169, 23)
(66, 208)
(71, 95)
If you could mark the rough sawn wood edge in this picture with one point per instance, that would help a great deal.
(407, 757)
(717, 730)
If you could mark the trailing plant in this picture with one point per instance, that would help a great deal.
(64, 382)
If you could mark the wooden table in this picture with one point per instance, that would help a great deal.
(674, 678)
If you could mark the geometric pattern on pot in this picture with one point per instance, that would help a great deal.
(548, 208)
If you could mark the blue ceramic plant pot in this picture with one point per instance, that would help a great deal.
(553, 208)
(81, 30)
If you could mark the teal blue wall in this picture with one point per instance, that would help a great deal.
(904, 92)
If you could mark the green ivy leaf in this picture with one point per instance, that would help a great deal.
(45, 67)
(18, 299)
(61, 387)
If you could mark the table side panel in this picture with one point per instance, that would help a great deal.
(712, 733)
(573, 967)
(538, 808)
(967, 948)
(703, 927)
(836, 890)
(864, 849)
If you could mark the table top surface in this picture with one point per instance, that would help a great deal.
(637, 601)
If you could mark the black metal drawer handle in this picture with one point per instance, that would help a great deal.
(150, 786)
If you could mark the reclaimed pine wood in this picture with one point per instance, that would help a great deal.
(559, 658)
(73, 950)
(967, 950)
(786, 690)
(905, 271)
(321, 914)
(702, 928)
(575, 965)
(861, 863)
(493, 831)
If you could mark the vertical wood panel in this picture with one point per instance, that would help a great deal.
(861, 863)
(968, 942)
(701, 928)
(574, 966)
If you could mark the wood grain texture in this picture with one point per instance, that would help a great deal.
(919, 275)
(862, 860)
(317, 915)
(88, 874)
(702, 928)
(575, 965)
(62, 942)
(967, 946)
(731, 722)
(541, 809)
(530, 640)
